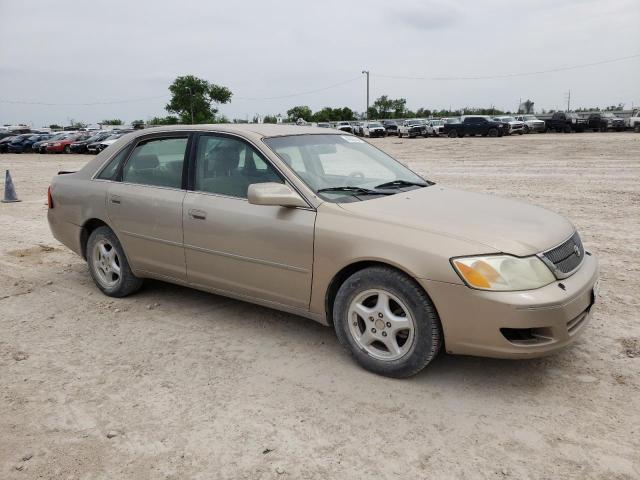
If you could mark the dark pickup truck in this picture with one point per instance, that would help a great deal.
(474, 126)
(601, 122)
(567, 122)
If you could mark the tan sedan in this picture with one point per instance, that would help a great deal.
(326, 226)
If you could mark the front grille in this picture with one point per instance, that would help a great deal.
(568, 256)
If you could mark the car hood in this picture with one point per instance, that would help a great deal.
(494, 223)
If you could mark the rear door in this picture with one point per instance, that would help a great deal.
(256, 251)
(144, 205)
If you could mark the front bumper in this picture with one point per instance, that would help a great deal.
(523, 324)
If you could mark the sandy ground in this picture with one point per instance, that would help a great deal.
(173, 383)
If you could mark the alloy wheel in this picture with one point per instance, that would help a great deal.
(381, 324)
(106, 264)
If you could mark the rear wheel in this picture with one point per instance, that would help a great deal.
(493, 132)
(526, 129)
(567, 129)
(387, 322)
(453, 133)
(108, 264)
(67, 149)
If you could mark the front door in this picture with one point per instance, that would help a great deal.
(256, 251)
(145, 207)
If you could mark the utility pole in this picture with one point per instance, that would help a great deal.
(569, 100)
(366, 72)
(191, 97)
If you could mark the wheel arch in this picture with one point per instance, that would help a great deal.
(87, 228)
(348, 270)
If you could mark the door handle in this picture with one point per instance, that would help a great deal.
(115, 199)
(197, 214)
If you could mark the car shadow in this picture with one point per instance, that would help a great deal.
(478, 373)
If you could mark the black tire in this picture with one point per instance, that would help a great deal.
(567, 129)
(427, 335)
(128, 283)
(493, 132)
(526, 129)
(67, 149)
(453, 133)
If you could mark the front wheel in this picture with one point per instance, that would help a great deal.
(453, 134)
(387, 322)
(493, 132)
(108, 264)
(67, 149)
(526, 129)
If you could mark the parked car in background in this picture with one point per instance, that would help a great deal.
(435, 127)
(412, 128)
(344, 126)
(633, 121)
(358, 129)
(323, 125)
(6, 133)
(390, 126)
(603, 121)
(481, 274)
(567, 122)
(41, 145)
(64, 144)
(513, 126)
(97, 147)
(475, 125)
(80, 146)
(18, 139)
(531, 123)
(4, 143)
(373, 129)
(24, 143)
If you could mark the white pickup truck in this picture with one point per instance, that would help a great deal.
(634, 121)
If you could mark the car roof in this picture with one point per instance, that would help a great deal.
(258, 130)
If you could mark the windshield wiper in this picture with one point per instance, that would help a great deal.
(403, 183)
(354, 190)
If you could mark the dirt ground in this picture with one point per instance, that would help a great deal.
(174, 384)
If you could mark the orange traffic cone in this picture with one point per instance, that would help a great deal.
(9, 190)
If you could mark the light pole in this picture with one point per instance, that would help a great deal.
(366, 72)
(191, 98)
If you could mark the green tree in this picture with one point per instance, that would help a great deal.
(270, 119)
(300, 111)
(115, 121)
(194, 100)
(55, 126)
(168, 120)
(137, 124)
(423, 112)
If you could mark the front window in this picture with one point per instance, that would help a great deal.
(507, 119)
(436, 123)
(375, 124)
(227, 166)
(343, 168)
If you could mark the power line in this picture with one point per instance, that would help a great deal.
(509, 75)
(107, 102)
(322, 89)
(302, 93)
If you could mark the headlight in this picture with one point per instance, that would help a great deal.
(503, 272)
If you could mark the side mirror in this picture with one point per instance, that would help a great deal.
(275, 194)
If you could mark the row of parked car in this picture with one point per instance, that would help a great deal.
(489, 126)
(62, 142)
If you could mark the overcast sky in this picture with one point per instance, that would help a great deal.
(86, 51)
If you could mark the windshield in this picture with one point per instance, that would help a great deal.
(413, 122)
(325, 162)
(375, 124)
(437, 122)
(608, 115)
(530, 117)
(507, 119)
